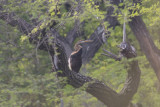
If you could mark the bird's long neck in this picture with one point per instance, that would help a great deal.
(77, 50)
(77, 47)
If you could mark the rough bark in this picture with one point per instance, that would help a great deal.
(98, 89)
(146, 43)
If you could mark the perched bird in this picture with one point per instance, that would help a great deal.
(75, 59)
(127, 50)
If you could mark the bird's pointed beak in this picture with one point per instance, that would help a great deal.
(85, 41)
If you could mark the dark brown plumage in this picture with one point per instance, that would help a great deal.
(75, 59)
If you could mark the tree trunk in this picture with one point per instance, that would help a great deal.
(146, 43)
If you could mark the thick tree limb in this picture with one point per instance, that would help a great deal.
(73, 33)
(132, 82)
(98, 89)
(146, 43)
(26, 28)
(11, 19)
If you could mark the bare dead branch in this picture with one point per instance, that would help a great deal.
(109, 54)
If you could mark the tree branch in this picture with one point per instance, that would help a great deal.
(74, 33)
(131, 83)
(146, 43)
(98, 89)
(11, 19)
(26, 28)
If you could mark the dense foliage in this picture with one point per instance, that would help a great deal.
(25, 72)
